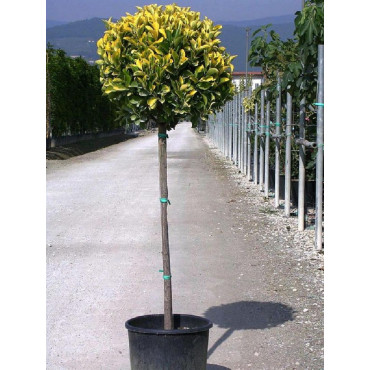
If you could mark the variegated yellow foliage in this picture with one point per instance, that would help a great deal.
(164, 63)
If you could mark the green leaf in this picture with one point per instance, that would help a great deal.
(205, 99)
(199, 69)
(204, 85)
(212, 72)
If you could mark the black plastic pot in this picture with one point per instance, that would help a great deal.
(184, 348)
(310, 189)
(309, 193)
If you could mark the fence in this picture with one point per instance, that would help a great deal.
(246, 140)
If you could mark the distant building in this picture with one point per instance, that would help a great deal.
(256, 78)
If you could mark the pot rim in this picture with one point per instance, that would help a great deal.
(205, 327)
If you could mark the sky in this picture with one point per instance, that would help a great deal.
(226, 10)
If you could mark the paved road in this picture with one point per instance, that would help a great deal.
(104, 253)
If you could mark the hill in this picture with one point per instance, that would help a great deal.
(79, 38)
(289, 18)
(51, 23)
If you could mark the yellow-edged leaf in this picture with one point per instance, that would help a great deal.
(139, 63)
(199, 69)
(191, 93)
(183, 58)
(207, 79)
(165, 89)
(155, 26)
(152, 102)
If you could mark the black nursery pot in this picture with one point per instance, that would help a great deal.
(183, 348)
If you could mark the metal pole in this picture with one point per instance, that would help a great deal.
(267, 149)
(302, 170)
(229, 123)
(235, 132)
(234, 129)
(226, 129)
(277, 144)
(262, 149)
(245, 135)
(255, 156)
(240, 132)
(249, 125)
(238, 121)
(288, 155)
(302, 160)
(245, 143)
(231, 130)
(219, 125)
(320, 150)
(207, 127)
(221, 130)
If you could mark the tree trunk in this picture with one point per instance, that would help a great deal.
(162, 155)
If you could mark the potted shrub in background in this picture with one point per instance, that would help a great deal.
(165, 64)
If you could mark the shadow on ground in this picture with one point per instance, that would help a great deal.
(217, 367)
(247, 315)
(87, 146)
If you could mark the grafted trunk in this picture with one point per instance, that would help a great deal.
(162, 156)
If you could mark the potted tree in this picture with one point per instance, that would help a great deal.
(165, 64)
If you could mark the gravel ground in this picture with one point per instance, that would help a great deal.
(294, 270)
(235, 259)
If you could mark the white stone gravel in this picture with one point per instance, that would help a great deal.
(297, 268)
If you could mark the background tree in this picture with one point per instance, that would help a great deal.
(75, 104)
(295, 60)
(164, 64)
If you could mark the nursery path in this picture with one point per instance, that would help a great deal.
(231, 261)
